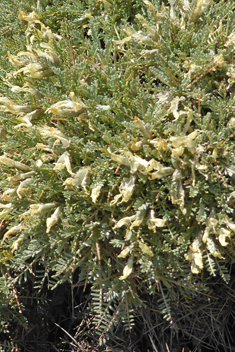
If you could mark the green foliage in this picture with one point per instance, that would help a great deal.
(117, 151)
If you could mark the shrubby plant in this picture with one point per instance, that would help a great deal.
(117, 158)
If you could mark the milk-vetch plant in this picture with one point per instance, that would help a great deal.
(117, 152)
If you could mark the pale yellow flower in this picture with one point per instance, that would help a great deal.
(4, 160)
(219, 60)
(7, 208)
(213, 248)
(36, 70)
(123, 160)
(27, 88)
(146, 249)
(67, 108)
(32, 17)
(48, 54)
(44, 147)
(195, 255)
(64, 162)
(16, 179)
(223, 235)
(174, 107)
(53, 219)
(96, 192)
(198, 10)
(16, 243)
(9, 194)
(47, 131)
(22, 186)
(184, 141)
(23, 58)
(124, 222)
(231, 225)
(128, 269)
(126, 251)
(134, 220)
(26, 124)
(12, 230)
(38, 208)
(177, 191)
(153, 222)
(141, 125)
(126, 190)
(81, 178)
(8, 106)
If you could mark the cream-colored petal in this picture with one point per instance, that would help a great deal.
(64, 162)
(96, 192)
(139, 217)
(15, 180)
(4, 160)
(145, 249)
(177, 152)
(8, 106)
(81, 178)
(162, 172)
(8, 194)
(184, 141)
(126, 190)
(41, 146)
(174, 107)
(47, 131)
(119, 158)
(159, 143)
(128, 269)
(16, 243)
(124, 222)
(126, 251)
(206, 234)
(67, 108)
(7, 208)
(223, 235)
(213, 249)
(38, 208)
(53, 219)
(141, 125)
(12, 230)
(26, 119)
(177, 191)
(36, 70)
(153, 222)
(28, 18)
(231, 225)
(138, 164)
(22, 186)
